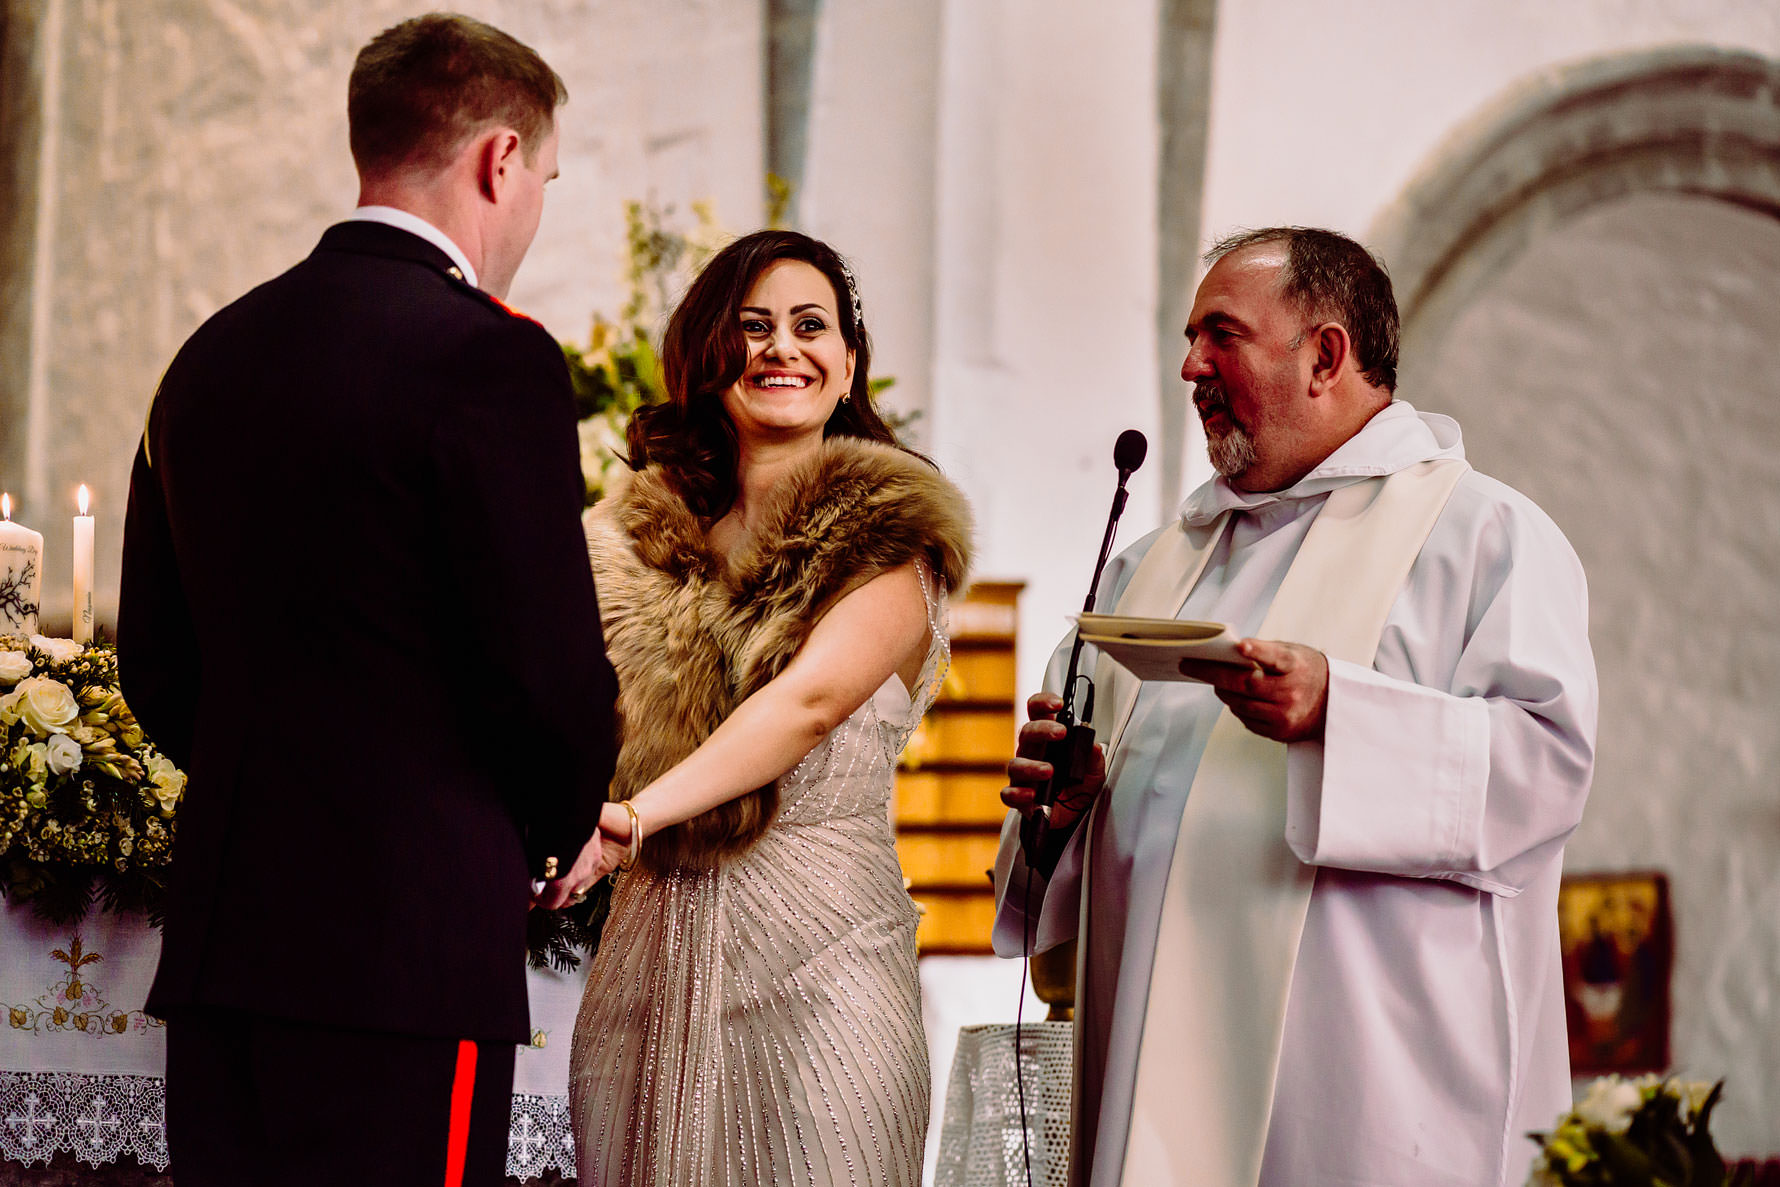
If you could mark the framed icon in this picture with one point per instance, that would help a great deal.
(1618, 951)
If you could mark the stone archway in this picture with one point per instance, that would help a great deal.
(1587, 275)
(1691, 120)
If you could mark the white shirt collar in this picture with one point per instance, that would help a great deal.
(1396, 438)
(392, 216)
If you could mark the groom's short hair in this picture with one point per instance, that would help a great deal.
(421, 88)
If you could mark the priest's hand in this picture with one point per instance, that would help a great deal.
(1028, 770)
(1285, 696)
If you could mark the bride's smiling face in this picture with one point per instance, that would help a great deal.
(799, 364)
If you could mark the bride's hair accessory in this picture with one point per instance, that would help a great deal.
(852, 290)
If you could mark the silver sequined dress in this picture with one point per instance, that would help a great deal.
(760, 1023)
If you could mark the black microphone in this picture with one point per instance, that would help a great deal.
(1071, 755)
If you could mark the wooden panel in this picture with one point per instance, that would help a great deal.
(948, 806)
(952, 734)
(981, 674)
(955, 923)
(949, 858)
(936, 797)
(972, 621)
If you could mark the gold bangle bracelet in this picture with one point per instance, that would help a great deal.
(635, 848)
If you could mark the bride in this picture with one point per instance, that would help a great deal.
(771, 585)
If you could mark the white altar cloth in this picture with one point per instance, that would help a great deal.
(81, 1066)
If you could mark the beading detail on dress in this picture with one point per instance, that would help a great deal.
(760, 1022)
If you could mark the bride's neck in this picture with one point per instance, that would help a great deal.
(760, 467)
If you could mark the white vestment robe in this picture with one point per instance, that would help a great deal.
(1424, 1030)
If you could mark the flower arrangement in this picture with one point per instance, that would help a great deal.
(1647, 1132)
(86, 802)
(619, 371)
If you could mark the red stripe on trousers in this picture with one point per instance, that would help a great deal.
(457, 1143)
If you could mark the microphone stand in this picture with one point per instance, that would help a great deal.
(1070, 755)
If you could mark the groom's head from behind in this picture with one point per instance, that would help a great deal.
(455, 121)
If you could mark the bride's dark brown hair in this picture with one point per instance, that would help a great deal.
(703, 354)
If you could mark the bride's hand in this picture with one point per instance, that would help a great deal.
(599, 857)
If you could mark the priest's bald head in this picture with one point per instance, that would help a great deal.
(1292, 349)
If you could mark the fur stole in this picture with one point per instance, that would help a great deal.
(692, 633)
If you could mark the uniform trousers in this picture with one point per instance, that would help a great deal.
(254, 1100)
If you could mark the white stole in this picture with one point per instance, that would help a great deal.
(1236, 898)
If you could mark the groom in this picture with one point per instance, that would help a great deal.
(357, 609)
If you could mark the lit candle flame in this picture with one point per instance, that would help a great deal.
(82, 498)
(6, 508)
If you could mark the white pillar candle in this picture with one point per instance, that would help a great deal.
(21, 573)
(83, 571)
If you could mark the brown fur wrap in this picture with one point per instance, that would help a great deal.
(692, 634)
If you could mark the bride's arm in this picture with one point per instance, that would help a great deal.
(853, 649)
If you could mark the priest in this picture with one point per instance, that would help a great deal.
(1316, 895)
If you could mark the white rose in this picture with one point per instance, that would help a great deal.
(169, 780)
(1610, 1104)
(59, 650)
(43, 704)
(63, 754)
(14, 666)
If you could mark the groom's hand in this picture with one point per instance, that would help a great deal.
(599, 857)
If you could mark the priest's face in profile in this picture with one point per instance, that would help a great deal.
(799, 365)
(1250, 365)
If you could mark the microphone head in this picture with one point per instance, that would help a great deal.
(1129, 451)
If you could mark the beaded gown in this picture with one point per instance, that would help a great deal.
(760, 1022)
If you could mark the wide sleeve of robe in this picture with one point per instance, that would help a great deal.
(1465, 753)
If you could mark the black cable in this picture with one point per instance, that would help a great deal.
(1019, 1017)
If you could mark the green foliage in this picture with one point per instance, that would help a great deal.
(553, 937)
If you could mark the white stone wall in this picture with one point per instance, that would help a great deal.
(200, 147)
(990, 166)
(1324, 114)
(1619, 374)
(1045, 285)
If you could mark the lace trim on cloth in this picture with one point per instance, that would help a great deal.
(99, 1119)
(95, 1118)
(540, 1138)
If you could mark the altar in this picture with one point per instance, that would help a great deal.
(82, 1067)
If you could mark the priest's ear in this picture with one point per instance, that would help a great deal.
(1333, 351)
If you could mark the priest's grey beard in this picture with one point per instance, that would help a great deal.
(1233, 450)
